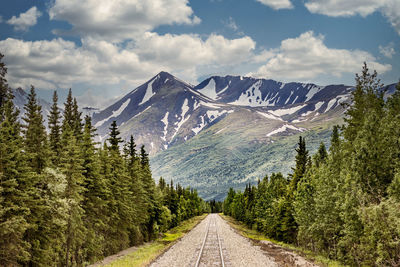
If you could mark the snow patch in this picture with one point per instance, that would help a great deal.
(197, 129)
(185, 109)
(251, 97)
(269, 116)
(223, 90)
(287, 100)
(209, 105)
(210, 90)
(318, 105)
(149, 92)
(165, 121)
(330, 104)
(285, 128)
(281, 112)
(114, 113)
(212, 116)
(312, 92)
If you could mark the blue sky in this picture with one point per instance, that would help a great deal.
(103, 49)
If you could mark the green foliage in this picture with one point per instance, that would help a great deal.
(65, 202)
(55, 131)
(344, 204)
(14, 181)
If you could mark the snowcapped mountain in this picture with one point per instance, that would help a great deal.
(247, 91)
(226, 131)
(167, 111)
(163, 111)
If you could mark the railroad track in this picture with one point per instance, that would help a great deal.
(211, 249)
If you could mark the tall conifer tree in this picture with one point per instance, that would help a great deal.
(55, 130)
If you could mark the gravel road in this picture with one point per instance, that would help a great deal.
(237, 250)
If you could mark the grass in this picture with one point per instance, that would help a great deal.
(145, 254)
(255, 235)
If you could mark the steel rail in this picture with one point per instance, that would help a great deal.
(204, 242)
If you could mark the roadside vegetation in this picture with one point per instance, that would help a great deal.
(342, 203)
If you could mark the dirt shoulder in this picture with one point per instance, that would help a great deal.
(281, 255)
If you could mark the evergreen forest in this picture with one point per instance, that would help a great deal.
(343, 202)
(66, 200)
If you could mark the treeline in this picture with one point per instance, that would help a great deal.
(66, 202)
(343, 203)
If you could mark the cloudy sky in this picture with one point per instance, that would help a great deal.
(103, 49)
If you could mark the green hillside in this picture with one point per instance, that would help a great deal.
(224, 156)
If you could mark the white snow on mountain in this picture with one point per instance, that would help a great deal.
(319, 105)
(185, 109)
(312, 92)
(269, 116)
(223, 90)
(251, 97)
(286, 111)
(285, 128)
(115, 113)
(210, 90)
(199, 127)
(330, 104)
(287, 100)
(149, 92)
(165, 121)
(212, 116)
(209, 105)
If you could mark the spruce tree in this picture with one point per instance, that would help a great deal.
(114, 139)
(14, 182)
(94, 196)
(55, 131)
(77, 120)
(71, 166)
(68, 112)
(120, 206)
(35, 138)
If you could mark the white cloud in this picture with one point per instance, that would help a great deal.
(345, 8)
(60, 64)
(120, 19)
(277, 4)
(306, 57)
(387, 51)
(25, 20)
(186, 50)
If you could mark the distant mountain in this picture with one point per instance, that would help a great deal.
(247, 91)
(226, 131)
(162, 112)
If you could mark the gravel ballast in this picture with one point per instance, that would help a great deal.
(237, 250)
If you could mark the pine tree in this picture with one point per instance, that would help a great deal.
(119, 205)
(35, 138)
(71, 165)
(138, 201)
(77, 120)
(55, 131)
(114, 139)
(14, 182)
(151, 198)
(94, 196)
(68, 112)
